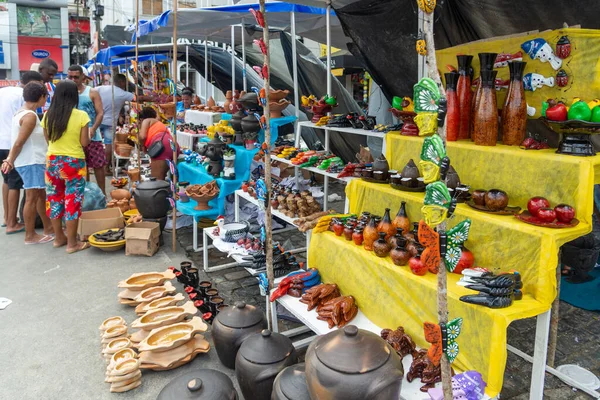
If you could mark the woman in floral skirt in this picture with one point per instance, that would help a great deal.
(66, 129)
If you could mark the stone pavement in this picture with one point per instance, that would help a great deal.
(578, 334)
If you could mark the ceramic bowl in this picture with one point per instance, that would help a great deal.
(396, 179)
(144, 280)
(171, 336)
(155, 292)
(164, 316)
(367, 173)
(112, 321)
(379, 176)
(167, 301)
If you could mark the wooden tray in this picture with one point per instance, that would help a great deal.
(407, 189)
(373, 180)
(526, 217)
(507, 211)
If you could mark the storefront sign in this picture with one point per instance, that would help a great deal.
(40, 53)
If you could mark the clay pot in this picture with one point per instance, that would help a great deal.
(210, 102)
(381, 164)
(228, 98)
(386, 225)
(496, 200)
(250, 124)
(399, 255)
(234, 325)
(290, 384)
(370, 234)
(381, 247)
(478, 197)
(120, 194)
(260, 359)
(249, 101)
(123, 205)
(410, 170)
(452, 178)
(275, 108)
(398, 239)
(151, 198)
(352, 363)
(200, 384)
(277, 95)
(401, 220)
(236, 120)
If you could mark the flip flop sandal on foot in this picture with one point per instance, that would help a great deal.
(44, 239)
(82, 246)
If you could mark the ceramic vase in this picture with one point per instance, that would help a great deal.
(386, 225)
(514, 112)
(463, 92)
(370, 235)
(486, 63)
(485, 128)
(453, 111)
(401, 220)
(381, 247)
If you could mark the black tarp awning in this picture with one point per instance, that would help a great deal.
(344, 59)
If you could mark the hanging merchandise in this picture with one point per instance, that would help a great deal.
(421, 45)
(540, 49)
(533, 81)
(433, 158)
(443, 340)
(563, 47)
(463, 91)
(438, 205)
(514, 111)
(485, 118)
(448, 246)
(562, 79)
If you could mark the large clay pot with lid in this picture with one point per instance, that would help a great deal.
(290, 384)
(234, 325)
(236, 120)
(201, 384)
(261, 357)
(151, 198)
(352, 363)
(250, 124)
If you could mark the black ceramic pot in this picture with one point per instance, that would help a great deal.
(261, 357)
(249, 101)
(202, 384)
(352, 363)
(290, 384)
(232, 326)
(250, 124)
(236, 120)
(151, 198)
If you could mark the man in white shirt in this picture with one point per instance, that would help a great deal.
(112, 111)
(11, 100)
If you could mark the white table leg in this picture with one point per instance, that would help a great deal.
(195, 234)
(205, 250)
(346, 205)
(326, 192)
(236, 204)
(273, 307)
(542, 331)
(308, 235)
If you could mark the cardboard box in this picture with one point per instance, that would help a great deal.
(91, 222)
(142, 238)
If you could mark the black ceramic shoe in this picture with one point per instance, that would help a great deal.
(493, 291)
(488, 300)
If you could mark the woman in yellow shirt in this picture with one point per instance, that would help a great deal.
(67, 133)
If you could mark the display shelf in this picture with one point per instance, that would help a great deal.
(314, 169)
(353, 131)
(275, 213)
(186, 140)
(410, 390)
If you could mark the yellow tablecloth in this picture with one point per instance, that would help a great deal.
(393, 296)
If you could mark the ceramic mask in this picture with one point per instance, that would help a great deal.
(533, 81)
(434, 215)
(540, 49)
(431, 172)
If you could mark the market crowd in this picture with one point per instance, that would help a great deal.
(51, 136)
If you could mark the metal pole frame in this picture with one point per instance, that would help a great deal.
(187, 65)
(206, 68)
(174, 133)
(328, 24)
(295, 66)
(233, 59)
(245, 84)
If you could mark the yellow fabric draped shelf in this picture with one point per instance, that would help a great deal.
(392, 296)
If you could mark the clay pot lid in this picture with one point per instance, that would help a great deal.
(292, 382)
(241, 315)
(351, 350)
(153, 184)
(266, 347)
(202, 384)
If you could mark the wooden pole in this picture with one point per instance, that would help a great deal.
(174, 127)
(268, 220)
(135, 80)
(442, 289)
(554, 315)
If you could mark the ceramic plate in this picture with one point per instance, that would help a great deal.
(507, 211)
(408, 189)
(530, 219)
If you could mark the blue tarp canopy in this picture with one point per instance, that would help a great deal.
(214, 23)
(128, 60)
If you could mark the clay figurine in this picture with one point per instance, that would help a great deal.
(540, 49)
(533, 81)
(562, 79)
(563, 47)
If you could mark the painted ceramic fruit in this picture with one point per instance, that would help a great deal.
(564, 213)
(496, 199)
(467, 260)
(535, 203)
(546, 214)
(478, 197)
(417, 266)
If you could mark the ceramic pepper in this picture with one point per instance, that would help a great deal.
(595, 114)
(579, 110)
(540, 49)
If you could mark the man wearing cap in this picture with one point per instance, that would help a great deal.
(11, 100)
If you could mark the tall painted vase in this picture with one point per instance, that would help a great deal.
(514, 112)
(486, 63)
(453, 111)
(485, 129)
(463, 91)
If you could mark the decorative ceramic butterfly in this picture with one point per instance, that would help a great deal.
(447, 245)
(439, 205)
(426, 95)
(443, 340)
(434, 160)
